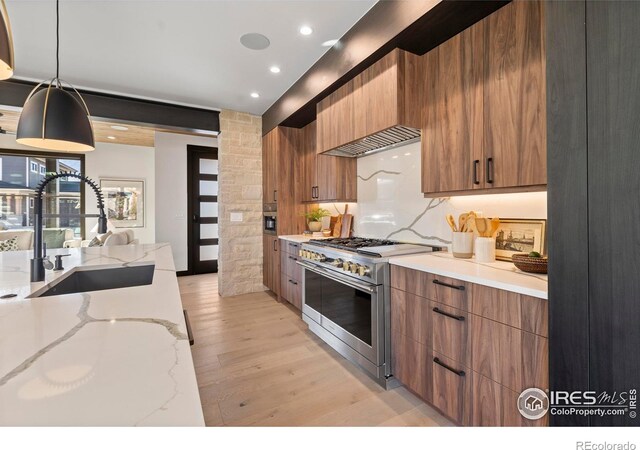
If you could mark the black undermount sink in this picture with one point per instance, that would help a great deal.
(98, 278)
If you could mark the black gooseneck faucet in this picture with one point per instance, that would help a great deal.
(39, 250)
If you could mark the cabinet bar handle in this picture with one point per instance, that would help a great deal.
(444, 313)
(293, 282)
(460, 373)
(476, 163)
(489, 170)
(275, 195)
(275, 246)
(291, 257)
(452, 286)
(188, 325)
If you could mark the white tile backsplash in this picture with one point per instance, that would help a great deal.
(391, 204)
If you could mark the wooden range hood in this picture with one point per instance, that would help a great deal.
(377, 110)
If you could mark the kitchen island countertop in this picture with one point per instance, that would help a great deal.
(500, 274)
(111, 357)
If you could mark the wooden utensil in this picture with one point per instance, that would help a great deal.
(481, 226)
(452, 222)
(462, 222)
(495, 223)
(337, 229)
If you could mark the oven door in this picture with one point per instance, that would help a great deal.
(349, 309)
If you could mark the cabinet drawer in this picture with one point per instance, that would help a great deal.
(289, 247)
(289, 267)
(450, 332)
(496, 304)
(452, 388)
(291, 291)
(487, 405)
(449, 291)
(412, 281)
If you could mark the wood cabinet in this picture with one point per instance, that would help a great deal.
(291, 274)
(382, 96)
(452, 133)
(485, 106)
(324, 177)
(465, 348)
(271, 263)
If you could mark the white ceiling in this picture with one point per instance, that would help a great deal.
(180, 51)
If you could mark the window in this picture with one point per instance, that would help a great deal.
(17, 189)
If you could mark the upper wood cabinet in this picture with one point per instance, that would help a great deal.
(485, 105)
(515, 132)
(382, 96)
(324, 177)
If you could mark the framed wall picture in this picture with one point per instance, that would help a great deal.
(124, 201)
(520, 236)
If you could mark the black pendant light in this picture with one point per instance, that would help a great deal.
(53, 118)
(6, 44)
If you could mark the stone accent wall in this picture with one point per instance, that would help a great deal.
(240, 190)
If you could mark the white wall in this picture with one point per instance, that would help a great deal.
(171, 191)
(391, 204)
(123, 162)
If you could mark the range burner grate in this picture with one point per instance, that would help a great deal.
(353, 243)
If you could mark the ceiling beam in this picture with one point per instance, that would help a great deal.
(117, 108)
(414, 26)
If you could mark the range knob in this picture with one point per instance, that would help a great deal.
(353, 267)
(345, 265)
(337, 262)
(364, 271)
(301, 253)
(320, 257)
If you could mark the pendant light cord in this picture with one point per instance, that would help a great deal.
(58, 41)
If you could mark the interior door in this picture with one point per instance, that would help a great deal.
(203, 211)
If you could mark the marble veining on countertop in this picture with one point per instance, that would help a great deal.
(500, 274)
(112, 357)
(300, 238)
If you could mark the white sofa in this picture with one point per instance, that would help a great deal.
(121, 237)
(25, 237)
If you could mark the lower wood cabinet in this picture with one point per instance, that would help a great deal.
(271, 263)
(467, 349)
(290, 274)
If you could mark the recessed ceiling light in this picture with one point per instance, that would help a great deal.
(119, 127)
(255, 95)
(330, 43)
(305, 30)
(113, 138)
(274, 69)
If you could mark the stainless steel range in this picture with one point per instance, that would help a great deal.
(345, 297)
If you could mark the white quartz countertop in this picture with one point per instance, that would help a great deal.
(112, 357)
(499, 275)
(300, 238)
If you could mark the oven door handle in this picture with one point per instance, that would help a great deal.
(339, 279)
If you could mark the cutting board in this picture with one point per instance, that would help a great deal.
(337, 227)
(345, 232)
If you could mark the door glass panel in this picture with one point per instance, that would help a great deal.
(208, 209)
(208, 231)
(208, 187)
(313, 290)
(209, 166)
(208, 252)
(347, 307)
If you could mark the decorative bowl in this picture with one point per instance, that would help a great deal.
(530, 264)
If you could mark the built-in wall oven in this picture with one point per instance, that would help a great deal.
(270, 218)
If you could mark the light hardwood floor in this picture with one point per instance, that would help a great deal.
(257, 364)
